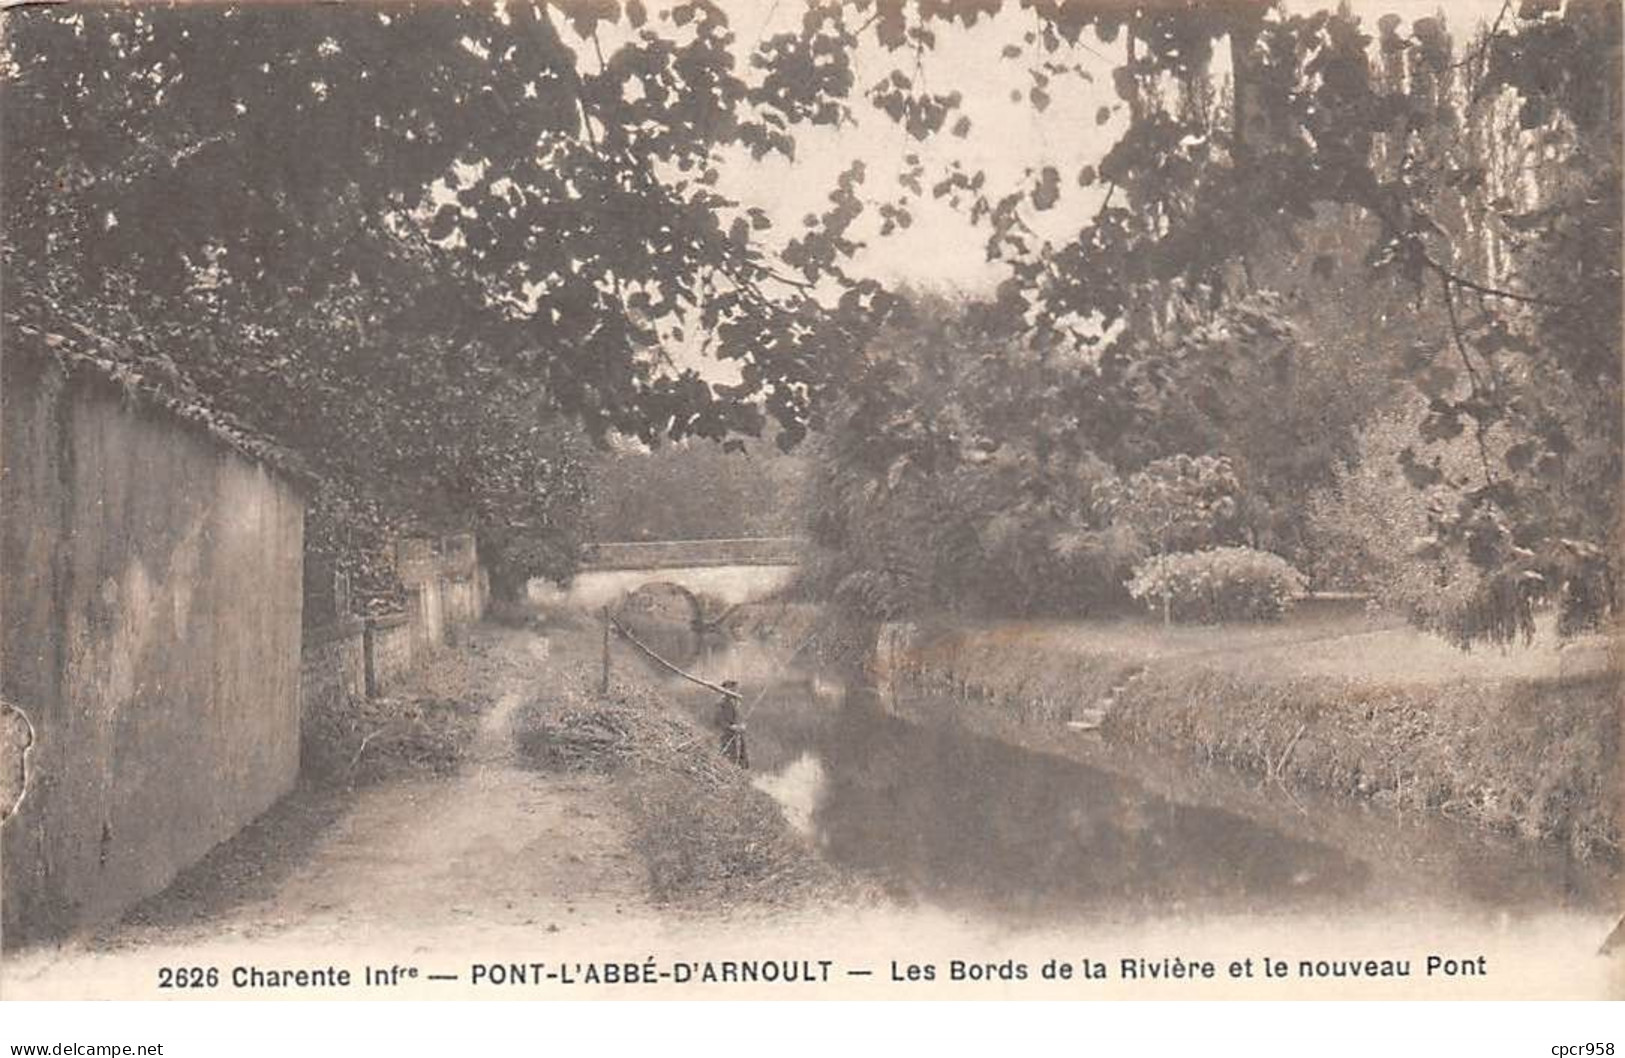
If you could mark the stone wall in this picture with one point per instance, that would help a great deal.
(445, 586)
(460, 577)
(462, 601)
(390, 652)
(418, 562)
(152, 609)
(426, 606)
(151, 634)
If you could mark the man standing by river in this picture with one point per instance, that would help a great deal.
(731, 725)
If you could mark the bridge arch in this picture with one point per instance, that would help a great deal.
(651, 592)
(713, 584)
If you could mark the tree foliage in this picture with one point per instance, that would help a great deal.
(1415, 150)
(945, 479)
(695, 490)
(1181, 503)
(1372, 529)
(568, 198)
(546, 178)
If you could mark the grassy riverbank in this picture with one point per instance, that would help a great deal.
(708, 839)
(1523, 741)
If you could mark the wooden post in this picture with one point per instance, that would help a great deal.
(603, 684)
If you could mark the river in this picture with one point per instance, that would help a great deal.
(938, 814)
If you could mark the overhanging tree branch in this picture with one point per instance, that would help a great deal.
(1451, 277)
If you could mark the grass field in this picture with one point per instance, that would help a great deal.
(1330, 640)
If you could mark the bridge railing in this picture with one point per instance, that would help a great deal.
(670, 554)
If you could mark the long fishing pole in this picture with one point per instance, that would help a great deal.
(635, 641)
(626, 634)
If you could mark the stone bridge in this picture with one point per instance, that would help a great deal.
(722, 572)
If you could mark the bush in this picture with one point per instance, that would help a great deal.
(1219, 584)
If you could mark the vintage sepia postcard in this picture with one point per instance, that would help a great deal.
(806, 499)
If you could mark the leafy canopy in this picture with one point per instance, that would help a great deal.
(549, 175)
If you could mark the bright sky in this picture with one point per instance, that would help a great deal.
(1006, 139)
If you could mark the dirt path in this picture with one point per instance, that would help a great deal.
(485, 844)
